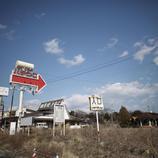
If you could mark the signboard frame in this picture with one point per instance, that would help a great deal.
(96, 103)
(4, 91)
(59, 118)
(26, 121)
(59, 113)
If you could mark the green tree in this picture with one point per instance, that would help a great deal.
(124, 117)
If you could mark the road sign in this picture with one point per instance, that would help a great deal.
(96, 103)
(38, 82)
(4, 91)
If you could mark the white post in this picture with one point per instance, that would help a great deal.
(54, 122)
(141, 124)
(20, 108)
(97, 122)
(53, 128)
(1, 100)
(28, 131)
(64, 122)
(1, 112)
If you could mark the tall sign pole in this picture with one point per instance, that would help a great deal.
(20, 107)
(24, 76)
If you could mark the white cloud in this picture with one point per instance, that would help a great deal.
(2, 27)
(132, 89)
(145, 48)
(143, 51)
(151, 41)
(134, 95)
(156, 52)
(155, 60)
(53, 47)
(138, 44)
(77, 60)
(125, 53)
(77, 102)
(32, 104)
(112, 42)
(129, 94)
(41, 15)
(10, 35)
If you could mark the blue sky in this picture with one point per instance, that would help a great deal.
(62, 38)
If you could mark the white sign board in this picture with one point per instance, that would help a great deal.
(4, 91)
(26, 121)
(59, 113)
(96, 103)
(12, 128)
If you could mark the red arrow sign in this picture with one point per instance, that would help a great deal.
(34, 82)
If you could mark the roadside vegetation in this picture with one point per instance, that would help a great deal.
(113, 142)
(119, 137)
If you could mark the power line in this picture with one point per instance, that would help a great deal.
(91, 69)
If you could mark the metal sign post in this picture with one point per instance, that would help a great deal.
(96, 104)
(97, 121)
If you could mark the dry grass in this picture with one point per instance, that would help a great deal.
(83, 143)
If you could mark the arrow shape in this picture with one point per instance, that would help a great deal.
(34, 82)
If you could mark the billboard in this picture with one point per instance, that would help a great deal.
(24, 74)
(59, 113)
(96, 103)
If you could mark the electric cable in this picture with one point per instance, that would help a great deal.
(91, 69)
